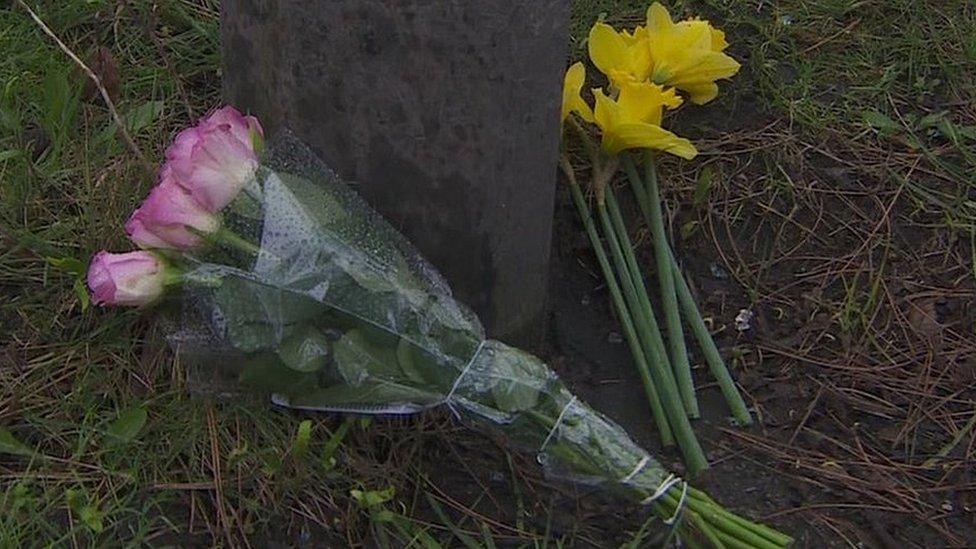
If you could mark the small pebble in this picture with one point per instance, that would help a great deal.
(743, 320)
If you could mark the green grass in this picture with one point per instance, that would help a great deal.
(887, 87)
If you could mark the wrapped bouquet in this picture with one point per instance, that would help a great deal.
(292, 286)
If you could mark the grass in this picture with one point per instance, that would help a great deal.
(841, 203)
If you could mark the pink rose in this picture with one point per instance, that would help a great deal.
(134, 278)
(165, 218)
(247, 129)
(214, 159)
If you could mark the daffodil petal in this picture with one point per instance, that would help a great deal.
(572, 85)
(645, 102)
(687, 55)
(708, 67)
(608, 49)
(719, 43)
(647, 136)
(658, 18)
(604, 111)
(700, 94)
(634, 37)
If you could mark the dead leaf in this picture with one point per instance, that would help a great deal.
(923, 318)
(104, 65)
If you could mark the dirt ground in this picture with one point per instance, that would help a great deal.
(834, 199)
(851, 410)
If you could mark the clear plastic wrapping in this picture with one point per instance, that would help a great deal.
(313, 298)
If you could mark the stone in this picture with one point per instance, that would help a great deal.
(444, 113)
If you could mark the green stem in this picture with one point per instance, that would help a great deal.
(654, 400)
(704, 503)
(694, 456)
(637, 185)
(692, 313)
(635, 274)
(233, 240)
(718, 526)
(712, 357)
(672, 319)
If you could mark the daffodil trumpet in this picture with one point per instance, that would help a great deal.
(688, 55)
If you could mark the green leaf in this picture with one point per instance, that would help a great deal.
(59, 103)
(332, 445)
(411, 360)
(81, 292)
(881, 122)
(305, 350)
(948, 130)
(265, 372)
(372, 396)
(257, 315)
(360, 357)
(688, 229)
(89, 514)
(77, 268)
(302, 438)
(467, 540)
(127, 425)
(931, 120)
(372, 498)
(519, 379)
(141, 117)
(10, 445)
(272, 462)
(309, 207)
(69, 264)
(702, 187)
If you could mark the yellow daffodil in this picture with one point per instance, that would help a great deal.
(687, 55)
(572, 101)
(622, 56)
(633, 121)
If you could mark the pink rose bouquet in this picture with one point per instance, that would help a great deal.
(291, 284)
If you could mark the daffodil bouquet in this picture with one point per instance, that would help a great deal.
(289, 284)
(648, 69)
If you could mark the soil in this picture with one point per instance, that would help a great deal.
(838, 455)
(596, 363)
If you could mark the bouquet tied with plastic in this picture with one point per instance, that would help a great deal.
(292, 286)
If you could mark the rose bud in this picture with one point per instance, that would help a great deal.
(170, 218)
(131, 279)
(215, 159)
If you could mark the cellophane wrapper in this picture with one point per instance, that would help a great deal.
(334, 310)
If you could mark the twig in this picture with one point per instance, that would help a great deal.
(217, 481)
(98, 84)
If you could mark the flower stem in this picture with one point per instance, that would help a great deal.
(633, 268)
(654, 400)
(692, 313)
(233, 240)
(698, 513)
(672, 318)
(712, 357)
(668, 389)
